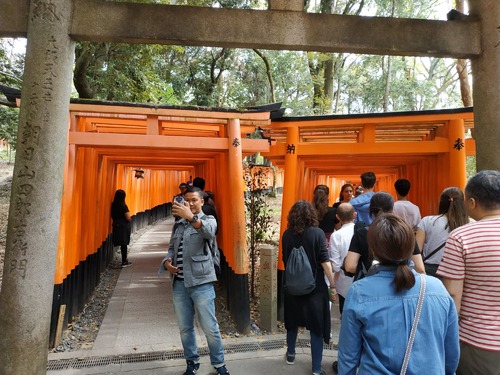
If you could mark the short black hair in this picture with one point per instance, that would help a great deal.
(194, 189)
(402, 186)
(368, 180)
(199, 183)
(381, 201)
(484, 187)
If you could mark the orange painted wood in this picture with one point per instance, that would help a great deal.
(458, 174)
(290, 180)
(236, 189)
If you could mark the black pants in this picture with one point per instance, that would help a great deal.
(123, 248)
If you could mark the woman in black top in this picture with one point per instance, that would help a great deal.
(311, 310)
(121, 225)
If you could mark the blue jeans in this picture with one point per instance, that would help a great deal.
(200, 299)
(316, 347)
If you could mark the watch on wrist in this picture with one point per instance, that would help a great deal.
(194, 219)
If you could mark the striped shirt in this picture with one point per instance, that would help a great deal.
(179, 265)
(472, 254)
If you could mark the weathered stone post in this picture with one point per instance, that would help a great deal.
(268, 287)
(32, 233)
(486, 89)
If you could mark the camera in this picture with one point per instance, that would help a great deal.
(179, 199)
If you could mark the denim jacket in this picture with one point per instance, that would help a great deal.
(198, 265)
(376, 325)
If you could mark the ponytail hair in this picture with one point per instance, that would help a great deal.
(452, 204)
(392, 242)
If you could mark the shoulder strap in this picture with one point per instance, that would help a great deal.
(434, 251)
(414, 325)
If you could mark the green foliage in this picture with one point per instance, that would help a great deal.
(259, 217)
(307, 83)
(9, 118)
(11, 64)
(470, 166)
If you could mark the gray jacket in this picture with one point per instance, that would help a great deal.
(198, 265)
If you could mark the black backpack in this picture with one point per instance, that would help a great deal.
(299, 277)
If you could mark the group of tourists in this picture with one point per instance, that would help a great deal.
(415, 295)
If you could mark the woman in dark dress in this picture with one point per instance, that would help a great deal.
(312, 310)
(326, 214)
(121, 225)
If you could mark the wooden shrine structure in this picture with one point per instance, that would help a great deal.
(109, 142)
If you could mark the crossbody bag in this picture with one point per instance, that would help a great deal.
(414, 325)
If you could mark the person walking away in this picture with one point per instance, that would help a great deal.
(311, 310)
(359, 258)
(339, 245)
(380, 310)
(362, 203)
(406, 210)
(470, 269)
(326, 214)
(209, 204)
(122, 229)
(433, 231)
(191, 264)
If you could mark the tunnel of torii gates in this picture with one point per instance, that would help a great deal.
(52, 27)
(108, 143)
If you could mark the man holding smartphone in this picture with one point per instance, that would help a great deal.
(192, 267)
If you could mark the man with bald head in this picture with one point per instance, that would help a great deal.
(339, 245)
(338, 248)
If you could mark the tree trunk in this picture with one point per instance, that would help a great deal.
(463, 74)
(328, 85)
(268, 73)
(82, 86)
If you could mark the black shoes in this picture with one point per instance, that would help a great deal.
(222, 370)
(126, 264)
(192, 368)
(290, 358)
(335, 367)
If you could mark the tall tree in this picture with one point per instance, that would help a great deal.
(462, 68)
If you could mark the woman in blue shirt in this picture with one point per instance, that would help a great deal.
(379, 311)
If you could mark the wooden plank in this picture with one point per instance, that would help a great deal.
(59, 326)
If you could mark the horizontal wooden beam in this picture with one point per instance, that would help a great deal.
(277, 29)
(249, 146)
(437, 146)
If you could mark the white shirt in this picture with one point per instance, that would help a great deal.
(339, 246)
(409, 212)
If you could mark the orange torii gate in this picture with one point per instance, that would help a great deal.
(108, 142)
(427, 147)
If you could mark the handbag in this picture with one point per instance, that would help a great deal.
(414, 325)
